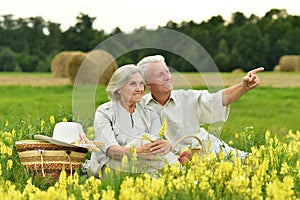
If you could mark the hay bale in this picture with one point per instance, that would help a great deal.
(289, 63)
(298, 66)
(74, 65)
(277, 68)
(238, 70)
(96, 66)
(105, 65)
(59, 64)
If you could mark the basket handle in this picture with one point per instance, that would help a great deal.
(185, 137)
(42, 151)
(68, 153)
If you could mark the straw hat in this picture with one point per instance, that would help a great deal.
(68, 134)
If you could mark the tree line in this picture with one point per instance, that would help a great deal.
(29, 44)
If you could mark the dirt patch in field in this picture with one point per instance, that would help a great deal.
(267, 79)
(33, 81)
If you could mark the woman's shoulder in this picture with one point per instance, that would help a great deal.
(105, 106)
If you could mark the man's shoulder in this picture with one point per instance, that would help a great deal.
(146, 98)
(144, 106)
(184, 93)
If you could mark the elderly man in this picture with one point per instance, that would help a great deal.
(185, 111)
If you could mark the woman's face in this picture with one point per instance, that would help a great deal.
(133, 91)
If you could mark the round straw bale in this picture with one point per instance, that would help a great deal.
(277, 68)
(289, 63)
(298, 66)
(238, 70)
(74, 65)
(105, 65)
(96, 67)
(59, 64)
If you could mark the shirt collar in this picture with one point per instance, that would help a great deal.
(148, 98)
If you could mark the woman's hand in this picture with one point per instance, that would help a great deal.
(160, 147)
(145, 153)
(143, 149)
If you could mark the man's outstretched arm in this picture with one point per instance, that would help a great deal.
(249, 82)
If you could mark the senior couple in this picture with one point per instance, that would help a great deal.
(130, 123)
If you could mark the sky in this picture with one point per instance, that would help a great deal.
(131, 14)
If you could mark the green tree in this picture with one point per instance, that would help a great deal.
(275, 26)
(222, 58)
(292, 36)
(238, 19)
(251, 45)
(7, 59)
(82, 35)
(54, 35)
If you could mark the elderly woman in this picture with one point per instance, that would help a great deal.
(124, 123)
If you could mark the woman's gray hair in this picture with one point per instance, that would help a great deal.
(144, 63)
(119, 79)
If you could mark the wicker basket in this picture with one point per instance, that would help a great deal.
(195, 150)
(45, 158)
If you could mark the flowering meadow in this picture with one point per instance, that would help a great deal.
(272, 171)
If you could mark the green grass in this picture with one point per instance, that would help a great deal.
(31, 103)
(265, 108)
(275, 109)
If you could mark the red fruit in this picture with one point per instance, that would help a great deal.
(185, 153)
(183, 159)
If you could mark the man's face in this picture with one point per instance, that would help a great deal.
(159, 78)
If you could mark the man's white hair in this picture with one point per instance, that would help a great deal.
(144, 64)
(151, 59)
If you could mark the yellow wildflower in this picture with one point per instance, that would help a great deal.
(163, 129)
(9, 151)
(29, 190)
(124, 161)
(97, 196)
(236, 135)
(108, 194)
(42, 125)
(63, 179)
(64, 119)
(9, 164)
(284, 168)
(52, 120)
(90, 132)
(267, 135)
(147, 138)
(127, 189)
(107, 170)
(256, 188)
(134, 154)
(280, 190)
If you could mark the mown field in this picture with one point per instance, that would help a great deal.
(264, 122)
(272, 106)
